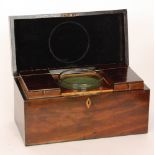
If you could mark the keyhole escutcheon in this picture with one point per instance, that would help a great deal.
(88, 103)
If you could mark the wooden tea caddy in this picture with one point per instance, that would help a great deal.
(45, 45)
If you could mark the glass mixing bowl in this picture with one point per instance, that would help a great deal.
(79, 79)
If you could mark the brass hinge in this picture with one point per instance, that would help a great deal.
(70, 14)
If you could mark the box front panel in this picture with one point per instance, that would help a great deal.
(85, 117)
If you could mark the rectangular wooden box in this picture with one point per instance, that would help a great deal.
(44, 113)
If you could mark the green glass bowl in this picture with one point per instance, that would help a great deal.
(79, 79)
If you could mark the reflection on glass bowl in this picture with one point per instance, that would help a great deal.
(79, 79)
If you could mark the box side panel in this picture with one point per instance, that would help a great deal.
(86, 117)
(19, 110)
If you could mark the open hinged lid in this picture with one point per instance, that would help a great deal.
(69, 39)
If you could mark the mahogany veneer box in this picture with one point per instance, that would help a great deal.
(45, 45)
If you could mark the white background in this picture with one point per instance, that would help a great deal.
(140, 25)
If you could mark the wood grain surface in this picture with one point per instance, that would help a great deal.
(68, 118)
(53, 115)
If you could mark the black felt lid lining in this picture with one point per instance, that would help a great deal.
(101, 39)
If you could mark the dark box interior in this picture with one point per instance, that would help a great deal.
(86, 39)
